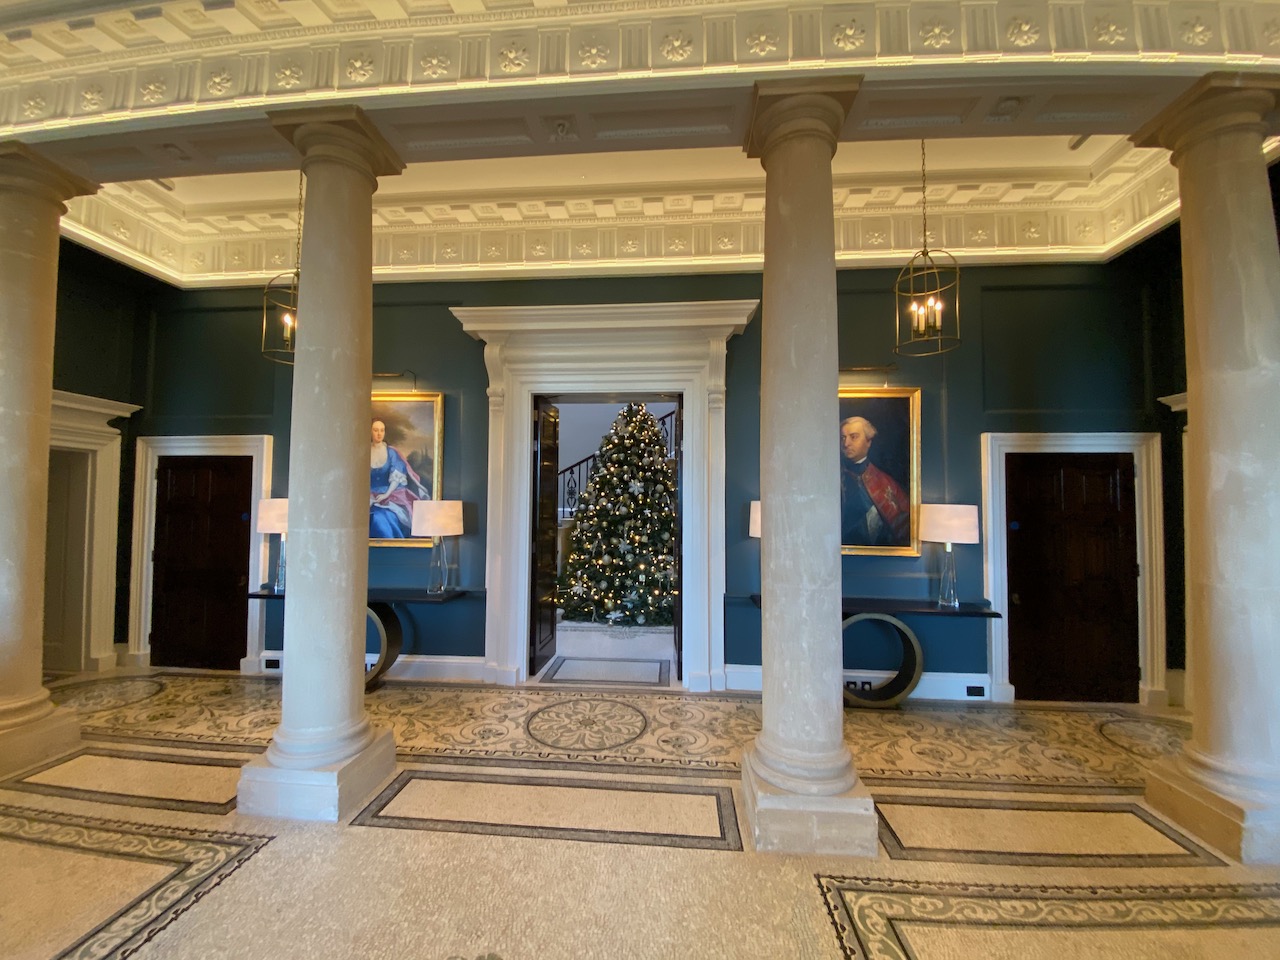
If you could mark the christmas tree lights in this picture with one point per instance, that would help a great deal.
(621, 564)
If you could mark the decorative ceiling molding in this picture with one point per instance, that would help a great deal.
(62, 70)
(667, 228)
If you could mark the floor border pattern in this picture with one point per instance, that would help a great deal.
(868, 914)
(1195, 856)
(200, 861)
(730, 839)
(21, 783)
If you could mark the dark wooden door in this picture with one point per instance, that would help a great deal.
(1073, 577)
(199, 595)
(542, 589)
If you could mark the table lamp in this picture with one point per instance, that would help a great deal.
(273, 517)
(753, 521)
(439, 519)
(948, 523)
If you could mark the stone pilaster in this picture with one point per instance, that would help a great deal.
(325, 756)
(1225, 785)
(801, 790)
(33, 192)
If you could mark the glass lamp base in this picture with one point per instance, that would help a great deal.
(279, 584)
(947, 596)
(438, 567)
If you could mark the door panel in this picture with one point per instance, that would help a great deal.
(1073, 577)
(542, 592)
(199, 590)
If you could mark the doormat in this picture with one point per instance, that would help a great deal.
(647, 673)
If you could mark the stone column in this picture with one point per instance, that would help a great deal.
(1225, 785)
(32, 194)
(801, 790)
(325, 756)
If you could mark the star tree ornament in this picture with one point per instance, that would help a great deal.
(620, 567)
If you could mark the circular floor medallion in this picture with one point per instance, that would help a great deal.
(586, 725)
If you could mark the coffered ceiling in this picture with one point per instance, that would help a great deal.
(553, 137)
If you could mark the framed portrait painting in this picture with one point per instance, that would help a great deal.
(880, 471)
(404, 463)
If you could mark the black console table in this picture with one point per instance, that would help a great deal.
(885, 609)
(387, 620)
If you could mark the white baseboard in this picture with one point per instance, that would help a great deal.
(1157, 697)
(127, 659)
(107, 661)
(932, 686)
(427, 667)
(699, 682)
(411, 666)
(1176, 685)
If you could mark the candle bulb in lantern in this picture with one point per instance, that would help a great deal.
(287, 320)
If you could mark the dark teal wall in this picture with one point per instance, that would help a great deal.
(103, 312)
(1045, 348)
(102, 349)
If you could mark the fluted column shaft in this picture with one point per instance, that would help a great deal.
(1231, 278)
(32, 196)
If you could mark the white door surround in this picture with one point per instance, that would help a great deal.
(1149, 515)
(147, 460)
(606, 348)
(80, 423)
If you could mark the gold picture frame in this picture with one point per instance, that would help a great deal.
(880, 471)
(408, 465)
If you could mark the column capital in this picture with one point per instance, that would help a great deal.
(1216, 103)
(344, 134)
(784, 108)
(23, 169)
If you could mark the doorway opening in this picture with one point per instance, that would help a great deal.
(1073, 576)
(67, 544)
(605, 583)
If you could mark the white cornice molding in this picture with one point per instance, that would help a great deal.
(679, 227)
(185, 58)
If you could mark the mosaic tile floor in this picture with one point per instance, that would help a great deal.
(577, 822)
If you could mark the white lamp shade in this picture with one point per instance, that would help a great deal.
(753, 523)
(437, 518)
(273, 515)
(949, 523)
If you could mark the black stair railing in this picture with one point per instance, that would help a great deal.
(574, 478)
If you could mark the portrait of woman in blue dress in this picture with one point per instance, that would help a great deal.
(393, 487)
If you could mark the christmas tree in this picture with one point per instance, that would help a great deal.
(621, 565)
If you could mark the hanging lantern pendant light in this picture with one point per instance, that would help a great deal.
(927, 293)
(280, 303)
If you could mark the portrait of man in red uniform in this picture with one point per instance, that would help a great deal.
(875, 511)
(879, 470)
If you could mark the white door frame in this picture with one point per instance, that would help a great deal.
(147, 460)
(609, 348)
(1149, 515)
(80, 423)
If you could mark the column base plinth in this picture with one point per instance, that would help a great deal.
(332, 793)
(1245, 829)
(29, 744)
(784, 822)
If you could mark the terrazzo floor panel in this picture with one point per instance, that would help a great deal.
(545, 823)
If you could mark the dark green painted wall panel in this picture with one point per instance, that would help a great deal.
(206, 376)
